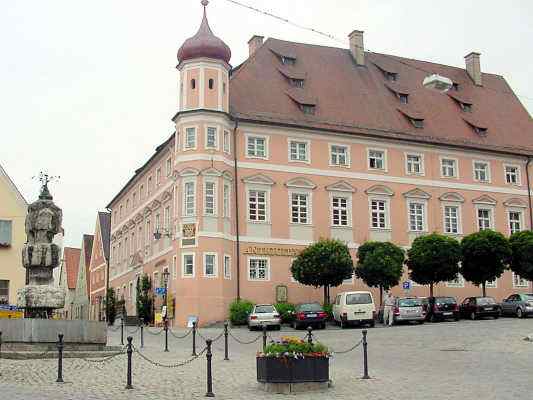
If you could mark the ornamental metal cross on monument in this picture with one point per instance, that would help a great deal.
(40, 256)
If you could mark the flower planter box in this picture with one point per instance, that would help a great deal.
(292, 370)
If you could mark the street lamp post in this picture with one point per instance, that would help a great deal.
(166, 275)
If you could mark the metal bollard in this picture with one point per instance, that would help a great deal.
(365, 356)
(122, 331)
(166, 335)
(209, 356)
(310, 334)
(60, 358)
(194, 338)
(264, 337)
(142, 336)
(129, 351)
(226, 358)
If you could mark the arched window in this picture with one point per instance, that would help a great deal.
(193, 83)
(211, 83)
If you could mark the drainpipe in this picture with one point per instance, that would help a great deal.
(107, 259)
(237, 236)
(529, 194)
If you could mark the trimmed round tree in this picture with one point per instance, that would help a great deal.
(522, 254)
(380, 264)
(485, 256)
(433, 258)
(324, 264)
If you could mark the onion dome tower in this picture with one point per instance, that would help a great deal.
(203, 63)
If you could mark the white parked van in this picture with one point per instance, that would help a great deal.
(354, 308)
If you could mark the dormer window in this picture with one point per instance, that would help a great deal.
(297, 82)
(480, 131)
(307, 109)
(391, 76)
(455, 86)
(466, 107)
(417, 123)
(404, 98)
(287, 60)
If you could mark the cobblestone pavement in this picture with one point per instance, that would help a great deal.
(455, 360)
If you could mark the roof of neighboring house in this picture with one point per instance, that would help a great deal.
(105, 231)
(71, 257)
(14, 188)
(87, 248)
(360, 100)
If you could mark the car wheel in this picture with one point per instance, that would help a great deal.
(250, 328)
(519, 313)
(496, 316)
(420, 322)
(472, 316)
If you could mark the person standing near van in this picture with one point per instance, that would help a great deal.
(388, 315)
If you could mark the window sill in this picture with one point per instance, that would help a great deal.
(256, 157)
(187, 276)
(415, 174)
(301, 224)
(345, 166)
(449, 177)
(300, 161)
(382, 170)
(259, 222)
(341, 227)
(381, 229)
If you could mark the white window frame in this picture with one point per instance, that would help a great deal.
(459, 218)
(459, 282)
(215, 147)
(215, 192)
(422, 167)
(215, 264)
(226, 141)
(456, 167)
(348, 197)
(387, 213)
(250, 136)
(267, 203)
(385, 159)
(490, 209)
(347, 155)
(520, 219)
(183, 271)
(186, 141)
(518, 174)
(309, 206)
(487, 171)
(492, 285)
(520, 282)
(184, 198)
(226, 200)
(267, 272)
(307, 143)
(227, 267)
(423, 203)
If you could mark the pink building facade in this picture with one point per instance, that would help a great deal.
(301, 142)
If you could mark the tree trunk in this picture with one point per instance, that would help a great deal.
(326, 294)
(484, 289)
(431, 289)
(380, 295)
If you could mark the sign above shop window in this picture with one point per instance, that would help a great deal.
(272, 251)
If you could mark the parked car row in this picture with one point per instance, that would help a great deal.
(358, 308)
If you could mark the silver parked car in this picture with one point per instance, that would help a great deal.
(407, 309)
(518, 304)
(264, 315)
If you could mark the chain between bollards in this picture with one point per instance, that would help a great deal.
(264, 337)
(122, 331)
(194, 338)
(365, 356)
(166, 335)
(142, 335)
(226, 358)
(129, 351)
(209, 356)
(60, 358)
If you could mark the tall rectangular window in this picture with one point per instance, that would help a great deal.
(6, 228)
(209, 198)
(210, 265)
(189, 198)
(225, 201)
(226, 143)
(141, 192)
(518, 281)
(512, 174)
(300, 208)
(484, 218)
(258, 269)
(157, 227)
(376, 159)
(299, 150)
(257, 205)
(449, 167)
(158, 177)
(190, 138)
(416, 217)
(167, 219)
(169, 166)
(227, 267)
(414, 164)
(140, 238)
(339, 207)
(451, 219)
(339, 155)
(4, 291)
(148, 233)
(481, 171)
(188, 265)
(256, 147)
(211, 138)
(515, 221)
(379, 214)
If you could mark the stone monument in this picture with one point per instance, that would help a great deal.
(39, 298)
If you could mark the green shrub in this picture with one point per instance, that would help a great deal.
(286, 312)
(328, 308)
(289, 346)
(239, 311)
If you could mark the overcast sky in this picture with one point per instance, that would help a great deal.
(87, 88)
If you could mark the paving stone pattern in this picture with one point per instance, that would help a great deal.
(485, 359)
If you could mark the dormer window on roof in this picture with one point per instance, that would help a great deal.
(415, 117)
(391, 76)
(296, 82)
(287, 60)
(404, 98)
(417, 123)
(308, 108)
(479, 127)
(466, 107)
(455, 86)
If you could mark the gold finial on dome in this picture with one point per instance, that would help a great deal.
(205, 3)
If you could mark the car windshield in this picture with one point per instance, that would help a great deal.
(485, 300)
(309, 307)
(358, 298)
(409, 303)
(264, 309)
(445, 300)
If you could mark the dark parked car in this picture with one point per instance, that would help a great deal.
(309, 314)
(476, 307)
(439, 308)
(519, 304)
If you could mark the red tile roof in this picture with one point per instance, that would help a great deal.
(71, 257)
(354, 99)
